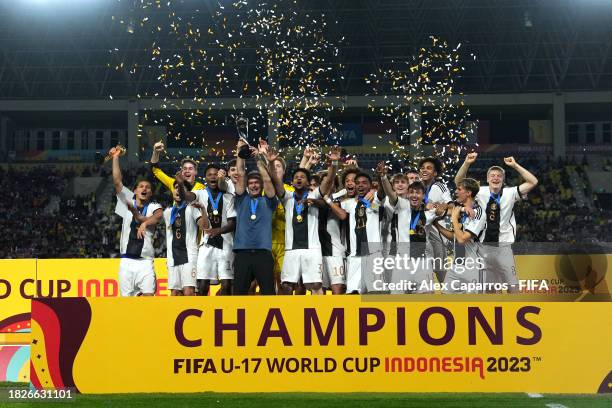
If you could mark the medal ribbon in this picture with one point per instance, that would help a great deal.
(144, 209)
(299, 205)
(175, 210)
(414, 222)
(214, 202)
(496, 197)
(365, 202)
(426, 199)
(254, 204)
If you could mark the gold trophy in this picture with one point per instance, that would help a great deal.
(113, 150)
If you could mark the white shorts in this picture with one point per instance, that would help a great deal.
(214, 263)
(436, 247)
(307, 263)
(459, 275)
(499, 264)
(334, 272)
(417, 273)
(181, 276)
(360, 274)
(136, 276)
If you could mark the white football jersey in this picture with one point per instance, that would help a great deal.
(130, 245)
(225, 211)
(304, 234)
(505, 201)
(363, 225)
(182, 235)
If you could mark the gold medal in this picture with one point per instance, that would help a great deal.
(215, 212)
(299, 218)
(493, 206)
(412, 232)
(253, 217)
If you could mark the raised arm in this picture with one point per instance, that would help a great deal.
(159, 174)
(277, 181)
(262, 166)
(333, 158)
(305, 157)
(381, 170)
(530, 180)
(117, 177)
(157, 149)
(240, 169)
(462, 173)
(312, 161)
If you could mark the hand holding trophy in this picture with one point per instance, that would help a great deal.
(242, 126)
(118, 151)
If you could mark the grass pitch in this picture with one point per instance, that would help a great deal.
(307, 400)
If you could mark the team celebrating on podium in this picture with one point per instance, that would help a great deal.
(249, 232)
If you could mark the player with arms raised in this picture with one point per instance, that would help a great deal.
(140, 215)
(500, 231)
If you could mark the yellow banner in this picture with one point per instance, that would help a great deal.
(23, 279)
(327, 344)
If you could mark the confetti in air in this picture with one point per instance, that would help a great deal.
(427, 80)
(271, 61)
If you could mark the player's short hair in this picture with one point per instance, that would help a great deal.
(282, 162)
(187, 185)
(436, 163)
(498, 168)
(471, 185)
(415, 171)
(322, 176)
(137, 182)
(189, 160)
(254, 175)
(212, 166)
(316, 178)
(417, 185)
(350, 170)
(363, 174)
(231, 163)
(399, 176)
(302, 170)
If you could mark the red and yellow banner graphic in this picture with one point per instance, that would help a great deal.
(327, 344)
(21, 280)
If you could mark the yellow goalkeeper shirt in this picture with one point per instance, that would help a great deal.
(168, 181)
(278, 221)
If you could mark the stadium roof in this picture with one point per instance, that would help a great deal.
(61, 48)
